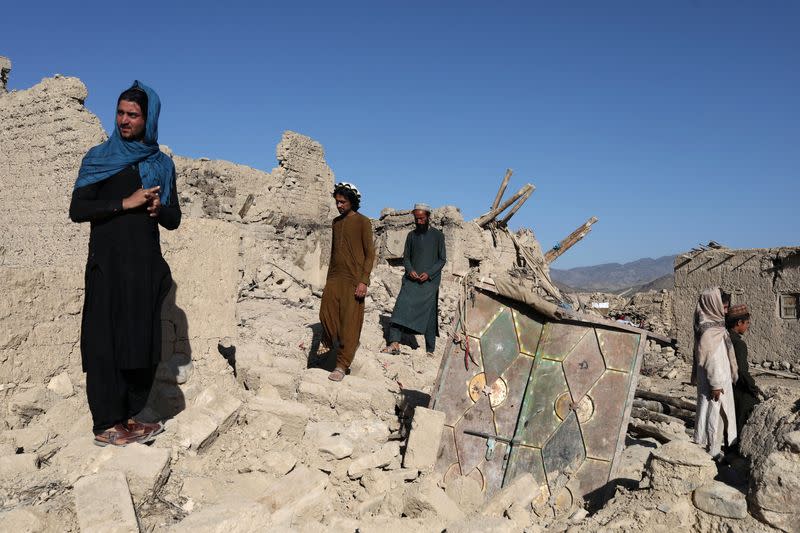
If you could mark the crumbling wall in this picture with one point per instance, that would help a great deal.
(46, 131)
(5, 68)
(756, 277)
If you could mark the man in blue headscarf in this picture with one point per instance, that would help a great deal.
(125, 189)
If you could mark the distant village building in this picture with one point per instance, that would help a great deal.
(767, 280)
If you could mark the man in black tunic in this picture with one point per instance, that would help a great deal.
(745, 390)
(125, 189)
(417, 307)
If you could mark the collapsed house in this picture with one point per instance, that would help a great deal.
(767, 280)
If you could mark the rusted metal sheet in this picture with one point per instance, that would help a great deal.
(535, 394)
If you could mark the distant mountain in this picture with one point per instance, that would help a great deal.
(616, 277)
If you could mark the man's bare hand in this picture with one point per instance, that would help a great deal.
(154, 206)
(361, 291)
(140, 197)
(413, 275)
(423, 277)
(715, 394)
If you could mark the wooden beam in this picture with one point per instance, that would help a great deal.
(522, 200)
(502, 189)
(571, 240)
(488, 217)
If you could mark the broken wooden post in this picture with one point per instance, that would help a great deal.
(246, 206)
(522, 200)
(488, 217)
(570, 241)
(502, 189)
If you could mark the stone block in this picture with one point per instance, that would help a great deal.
(293, 415)
(284, 383)
(61, 385)
(195, 428)
(792, 440)
(378, 459)
(467, 492)
(521, 492)
(424, 439)
(278, 463)
(103, 504)
(427, 500)
(145, 467)
(229, 517)
(335, 446)
(314, 393)
(720, 499)
(231, 488)
(220, 405)
(775, 490)
(679, 467)
(29, 402)
(296, 495)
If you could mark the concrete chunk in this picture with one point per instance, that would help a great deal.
(103, 504)
(278, 463)
(424, 439)
(195, 428)
(520, 492)
(220, 406)
(720, 499)
(293, 415)
(679, 467)
(296, 495)
(229, 517)
(428, 500)
(61, 385)
(378, 459)
(146, 468)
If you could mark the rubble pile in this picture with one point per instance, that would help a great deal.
(257, 438)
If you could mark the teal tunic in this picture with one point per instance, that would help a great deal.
(424, 252)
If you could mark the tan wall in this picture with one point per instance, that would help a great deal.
(754, 277)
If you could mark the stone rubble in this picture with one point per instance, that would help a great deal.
(257, 437)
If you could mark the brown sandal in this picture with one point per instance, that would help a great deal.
(148, 430)
(390, 350)
(337, 374)
(116, 436)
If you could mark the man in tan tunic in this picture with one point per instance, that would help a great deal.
(352, 258)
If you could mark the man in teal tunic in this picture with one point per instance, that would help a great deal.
(417, 307)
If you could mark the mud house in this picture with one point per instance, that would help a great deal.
(766, 279)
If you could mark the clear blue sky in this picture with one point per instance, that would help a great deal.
(672, 122)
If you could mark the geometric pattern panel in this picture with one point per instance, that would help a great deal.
(538, 418)
(499, 345)
(529, 331)
(557, 389)
(480, 311)
(619, 348)
(471, 449)
(456, 377)
(608, 394)
(559, 339)
(510, 391)
(525, 459)
(583, 366)
(563, 454)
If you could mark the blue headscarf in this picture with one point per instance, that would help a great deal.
(116, 154)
